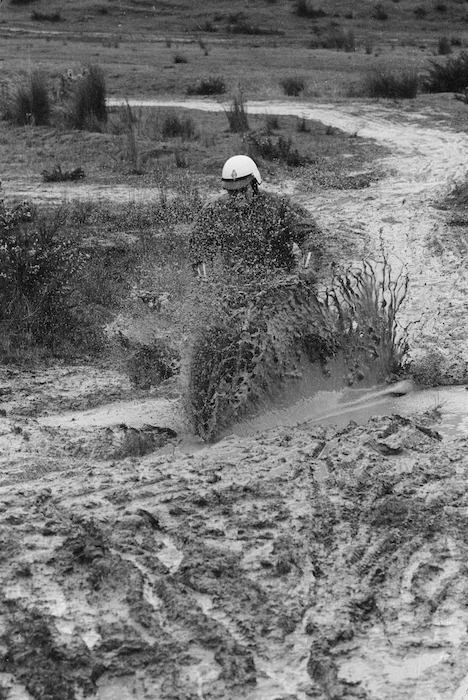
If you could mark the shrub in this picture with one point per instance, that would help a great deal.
(441, 7)
(293, 85)
(212, 85)
(21, 2)
(180, 58)
(37, 266)
(237, 116)
(385, 83)
(302, 8)
(444, 46)
(174, 126)
(449, 77)
(88, 108)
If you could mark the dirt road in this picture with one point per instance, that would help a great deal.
(295, 564)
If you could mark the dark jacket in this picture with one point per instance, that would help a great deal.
(256, 232)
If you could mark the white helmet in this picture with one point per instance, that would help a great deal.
(238, 172)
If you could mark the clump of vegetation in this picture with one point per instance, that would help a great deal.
(452, 76)
(180, 58)
(444, 46)
(366, 303)
(293, 85)
(46, 16)
(28, 104)
(335, 38)
(237, 115)
(21, 2)
(280, 149)
(39, 266)
(272, 123)
(88, 109)
(389, 84)
(302, 8)
(212, 85)
(420, 12)
(174, 126)
(380, 12)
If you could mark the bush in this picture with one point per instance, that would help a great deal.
(444, 46)
(180, 58)
(40, 101)
(37, 268)
(150, 365)
(384, 83)
(174, 126)
(213, 85)
(293, 86)
(303, 9)
(21, 2)
(237, 116)
(88, 108)
(449, 77)
(441, 7)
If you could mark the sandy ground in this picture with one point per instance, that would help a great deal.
(299, 562)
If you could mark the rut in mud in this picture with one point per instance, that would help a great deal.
(299, 563)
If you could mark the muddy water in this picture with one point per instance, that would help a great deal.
(339, 407)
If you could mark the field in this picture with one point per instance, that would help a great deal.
(159, 541)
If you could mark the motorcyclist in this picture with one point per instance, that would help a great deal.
(249, 227)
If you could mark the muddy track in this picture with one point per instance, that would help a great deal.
(299, 563)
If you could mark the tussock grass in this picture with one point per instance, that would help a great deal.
(365, 303)
(88, 108)
(29, 103)
(237, 115)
